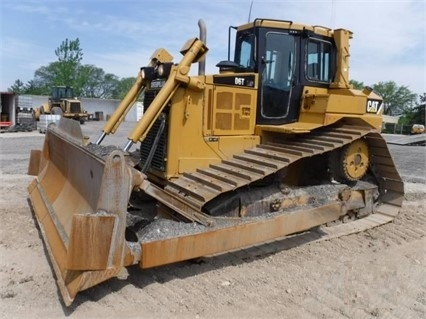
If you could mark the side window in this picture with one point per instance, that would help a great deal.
(318, 61)
(244, 51)
(246, 59)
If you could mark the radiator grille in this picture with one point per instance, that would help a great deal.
(75, 107)
(159, 160)
(148, 98)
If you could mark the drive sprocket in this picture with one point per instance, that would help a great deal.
(350, 163)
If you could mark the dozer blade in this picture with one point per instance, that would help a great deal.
(80, 202)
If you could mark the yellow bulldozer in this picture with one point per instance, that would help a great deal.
(276, 143)
(63, 102)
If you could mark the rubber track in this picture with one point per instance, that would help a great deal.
(254, 164)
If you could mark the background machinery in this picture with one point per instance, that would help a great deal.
(276, 143)
(417, 129)
(63, 102)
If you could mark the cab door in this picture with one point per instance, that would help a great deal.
(279, 97)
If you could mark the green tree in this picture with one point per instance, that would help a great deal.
(69, 56)
(68, 70)
(64, 71)
(46, 76)
(31, 87)
(18, 87)
(90, 78)
(96, 83)
(357, 85)
(36, 88)
(422, 98)
(396, 99)
(109, 85)
(415, 115)
(123, 87)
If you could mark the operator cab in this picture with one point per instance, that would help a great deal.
(287, 57)
(61, 92)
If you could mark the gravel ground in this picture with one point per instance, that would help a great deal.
(379, 273)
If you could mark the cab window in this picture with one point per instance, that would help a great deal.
(244, 50)
(318, 61)
(278, 61)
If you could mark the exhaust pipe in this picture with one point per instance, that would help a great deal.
(203, 38)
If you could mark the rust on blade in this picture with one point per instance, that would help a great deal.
(90, 231)
(34, 164)
(80, 202)
(166, 251)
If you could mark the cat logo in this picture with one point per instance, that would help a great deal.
(374, 106)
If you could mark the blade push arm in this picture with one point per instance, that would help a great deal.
(192, 51)
(159, 56)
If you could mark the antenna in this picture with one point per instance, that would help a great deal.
(251, 6)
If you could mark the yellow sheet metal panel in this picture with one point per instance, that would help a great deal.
(234, 111)
(185, 139)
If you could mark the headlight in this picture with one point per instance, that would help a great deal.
(163, 70)
(148, 73)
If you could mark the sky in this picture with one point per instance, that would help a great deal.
(389, 42)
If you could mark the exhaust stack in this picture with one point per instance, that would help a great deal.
(203, 38)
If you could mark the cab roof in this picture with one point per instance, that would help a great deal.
(287, 25)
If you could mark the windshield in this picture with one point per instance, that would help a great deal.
(62, 92)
